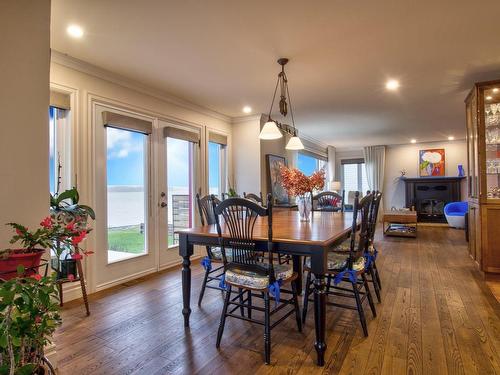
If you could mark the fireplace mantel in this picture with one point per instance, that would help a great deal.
(429, 195)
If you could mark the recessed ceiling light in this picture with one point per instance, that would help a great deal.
(489, 98)
(451, 138)
(495, 90)
(247, 109)
(75, 31)
(413, 141)
(392, 85)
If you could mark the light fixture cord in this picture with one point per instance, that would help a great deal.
(274, 97)
(290, 104)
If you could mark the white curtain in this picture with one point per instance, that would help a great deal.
(375, 166)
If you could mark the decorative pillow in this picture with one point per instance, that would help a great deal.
(338, 261)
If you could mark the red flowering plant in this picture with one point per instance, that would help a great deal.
(50, 235)
(297, 184)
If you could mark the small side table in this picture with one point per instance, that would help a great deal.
(400, 223)
(80, 279)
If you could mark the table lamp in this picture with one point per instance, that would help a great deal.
(335, 186)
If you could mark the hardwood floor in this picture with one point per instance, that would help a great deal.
(437, 316)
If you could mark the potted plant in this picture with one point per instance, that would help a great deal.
(70, 219)
(29, 317)
(300, 186)
(34, 244)
(64, 208)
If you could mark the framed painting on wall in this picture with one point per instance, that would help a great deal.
(274, 185)
(431, 162)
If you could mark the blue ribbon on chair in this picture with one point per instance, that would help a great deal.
(274, 290)
(206, 263)
(222, 282)
(369, 260)
(353, 277)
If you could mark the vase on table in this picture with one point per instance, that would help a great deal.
(304, 205)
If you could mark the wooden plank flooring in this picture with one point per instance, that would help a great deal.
(437, 316)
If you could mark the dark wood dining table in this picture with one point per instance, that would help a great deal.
(290, 236)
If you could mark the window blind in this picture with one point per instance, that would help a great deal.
(184, 134)
(217, 138)
(60, 100)
(312, 149)
(119, 121)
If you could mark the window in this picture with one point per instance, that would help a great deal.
(217, 174)
(354, 176)
(127, 177)
(59, 150)
(308, 164)
(216, 168)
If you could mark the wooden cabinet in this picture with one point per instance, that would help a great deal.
(483, 178)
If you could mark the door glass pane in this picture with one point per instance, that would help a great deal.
(179, 187)
(214, 168)
(126, 198)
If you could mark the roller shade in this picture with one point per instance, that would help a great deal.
(217, 138)
(352, 161)
(184, 134)
(116, 120)
(60, 100)
(312, 149)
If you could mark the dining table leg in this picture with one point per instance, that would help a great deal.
(320, 317)
(185, 251)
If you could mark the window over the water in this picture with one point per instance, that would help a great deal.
(59, 150)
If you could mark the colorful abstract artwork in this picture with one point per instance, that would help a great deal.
(274, 184)
(432, 162)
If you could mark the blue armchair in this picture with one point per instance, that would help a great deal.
(455, 214)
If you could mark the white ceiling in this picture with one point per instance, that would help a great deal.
(222, 55)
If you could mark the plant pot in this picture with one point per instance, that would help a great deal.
(30, 261)
(64, 267)
(63, 217)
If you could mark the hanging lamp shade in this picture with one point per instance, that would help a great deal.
(270, 131)
(294, 144)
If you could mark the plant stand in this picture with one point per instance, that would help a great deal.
(81, 279)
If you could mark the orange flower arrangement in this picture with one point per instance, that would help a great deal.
(297, 183)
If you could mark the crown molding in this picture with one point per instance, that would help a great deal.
(240, 119)
(313, 140)
(85, 67)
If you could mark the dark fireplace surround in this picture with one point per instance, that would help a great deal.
(429, 195)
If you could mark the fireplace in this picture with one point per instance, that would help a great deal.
(429, 195)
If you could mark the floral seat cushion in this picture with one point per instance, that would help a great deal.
(217, 254)
(338, 261)
(245, 278)
(343, 247)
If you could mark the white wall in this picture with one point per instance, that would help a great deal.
(246, 155)
(401, 157)
(24, 101)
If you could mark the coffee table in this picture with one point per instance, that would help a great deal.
(400, 223)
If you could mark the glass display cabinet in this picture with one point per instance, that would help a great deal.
(483, 150)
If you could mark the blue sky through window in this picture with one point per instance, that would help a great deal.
(307, 164)
(125, 157)
(213, 167)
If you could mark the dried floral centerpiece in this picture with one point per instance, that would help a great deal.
(300, 186)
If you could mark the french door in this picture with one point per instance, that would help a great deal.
(179, 182)
(146, 178)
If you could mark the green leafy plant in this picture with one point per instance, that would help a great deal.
(30, 240)
(67, 202)
(29, 316)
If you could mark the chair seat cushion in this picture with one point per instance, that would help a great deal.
(343, 247)
(338, 262)
(217, 254)
(240, 277)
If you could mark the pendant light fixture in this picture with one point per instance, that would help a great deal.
(273, 129)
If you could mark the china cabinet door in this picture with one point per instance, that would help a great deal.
(490, 142)
(471, 151)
